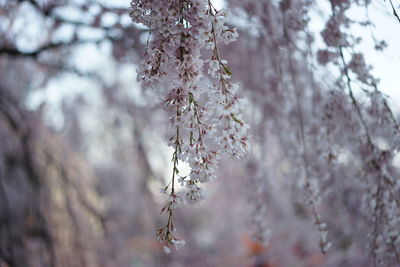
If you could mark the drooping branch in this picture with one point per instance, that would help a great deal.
(394, 11)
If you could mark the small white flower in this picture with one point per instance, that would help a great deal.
(178, 243)
(167, 250)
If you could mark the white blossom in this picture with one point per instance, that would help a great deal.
(204, 111)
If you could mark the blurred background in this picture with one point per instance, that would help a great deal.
(83, 152)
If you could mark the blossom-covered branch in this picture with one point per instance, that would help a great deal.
(204, 110)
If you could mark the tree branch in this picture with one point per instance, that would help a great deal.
(50, 46)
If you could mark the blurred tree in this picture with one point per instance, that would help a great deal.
(83, 156)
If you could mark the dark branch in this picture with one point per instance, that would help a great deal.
(394, 10)
(50, 46)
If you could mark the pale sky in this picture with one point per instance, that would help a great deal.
(386, 64)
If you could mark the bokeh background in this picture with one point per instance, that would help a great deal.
(83, 152)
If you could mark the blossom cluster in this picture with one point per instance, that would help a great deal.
(372, 124)
(198, 95)
(336, 137)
